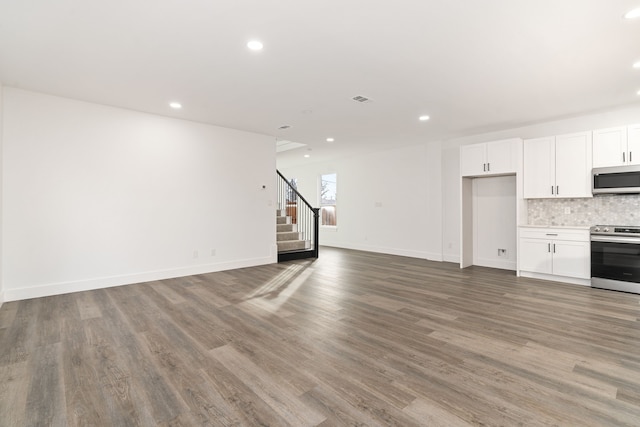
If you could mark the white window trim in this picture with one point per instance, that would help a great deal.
(326, 227)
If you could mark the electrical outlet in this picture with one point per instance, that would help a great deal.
(502, 252)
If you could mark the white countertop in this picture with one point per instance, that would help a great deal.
(560, 227)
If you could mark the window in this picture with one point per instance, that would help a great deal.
(328, 197)
(290, 191)
(292, 200)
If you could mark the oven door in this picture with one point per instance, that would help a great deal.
(615, 258)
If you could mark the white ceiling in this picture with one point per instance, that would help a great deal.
(473, 66)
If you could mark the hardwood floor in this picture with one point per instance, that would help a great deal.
(353, 338)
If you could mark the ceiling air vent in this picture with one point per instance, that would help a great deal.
(283, 127)
(361, 99)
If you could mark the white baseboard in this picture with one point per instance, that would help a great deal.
(390, 251)
(563, 279)
(495, 263)
(432, 256)
(50, 289)
(451, 258)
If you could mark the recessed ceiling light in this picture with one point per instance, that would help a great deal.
(175, 105)
(636, 65)
(255, 45)
(638, 92)
(307, 155)
(330, 139)
(423, 118)
(632, 14)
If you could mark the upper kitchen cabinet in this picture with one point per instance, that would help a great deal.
(616, 146)
(558, 166)
(539, 167)
(633, 144)
(610, 147)
(489, 158)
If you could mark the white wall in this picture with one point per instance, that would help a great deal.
(1, 174)
(388, 201)
(450, 202)
(97, 196)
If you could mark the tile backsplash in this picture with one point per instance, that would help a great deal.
(605, 210)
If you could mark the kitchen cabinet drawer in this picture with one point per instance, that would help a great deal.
(571, 234)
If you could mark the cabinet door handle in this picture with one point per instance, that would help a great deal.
(630, 154)
(557, 190)
(484, 167)
(623, 157)
(488, 167)
(554, 248)
(552, 234)
(552, 190)
(548, 247)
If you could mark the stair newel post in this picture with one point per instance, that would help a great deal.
(316, 231)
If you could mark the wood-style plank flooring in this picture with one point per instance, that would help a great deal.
(353, 338)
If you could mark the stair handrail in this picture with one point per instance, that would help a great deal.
(295, 190)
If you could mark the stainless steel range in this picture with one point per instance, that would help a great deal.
(615, 258)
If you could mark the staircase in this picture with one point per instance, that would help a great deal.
(287, 236)
(296, 222)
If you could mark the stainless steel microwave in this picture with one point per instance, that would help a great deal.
(616, 180)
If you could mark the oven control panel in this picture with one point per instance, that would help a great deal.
(626, 230)
(616, 230)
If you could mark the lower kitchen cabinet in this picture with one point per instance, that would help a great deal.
(555, 253)
(536, 256)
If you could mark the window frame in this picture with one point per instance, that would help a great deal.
(335, 199)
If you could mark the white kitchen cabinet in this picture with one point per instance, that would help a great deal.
(539, 174)
(633, 144)
(572, 259)
(573, 165)
(535, 255)
(473, 160)
(564, 252)
(609, 147)
(489, 158)
(558, 166)
(617, 146)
